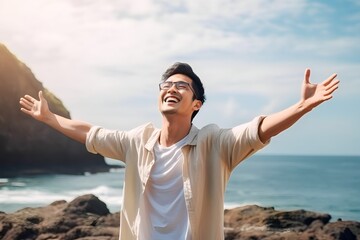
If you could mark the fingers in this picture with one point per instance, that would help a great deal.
(26, 102)
(331, 84)
(307, 76)
(25, 111)
(30, 98)
(26, 106)
(329, 79)
(41, 96)
(331, 88)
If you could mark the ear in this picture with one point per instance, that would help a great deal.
(197, 105)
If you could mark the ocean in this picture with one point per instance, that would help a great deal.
(327, 184)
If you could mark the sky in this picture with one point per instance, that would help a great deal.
(104, 60)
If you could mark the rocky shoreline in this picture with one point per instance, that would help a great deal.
(88, 218)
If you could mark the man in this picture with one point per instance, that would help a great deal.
(175, 177)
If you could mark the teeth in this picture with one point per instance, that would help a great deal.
(171, 99)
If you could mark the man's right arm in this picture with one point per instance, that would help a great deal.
(39, 110)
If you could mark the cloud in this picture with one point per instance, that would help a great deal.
(104, 58)
(128, 33)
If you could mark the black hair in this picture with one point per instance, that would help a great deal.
(185, 69)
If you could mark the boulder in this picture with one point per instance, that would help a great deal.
(255, 223)
(26, 145)
(87, 218)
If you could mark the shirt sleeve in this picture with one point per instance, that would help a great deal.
(109, 143)
(240, 142)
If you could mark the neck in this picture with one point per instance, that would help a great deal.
(173, 130)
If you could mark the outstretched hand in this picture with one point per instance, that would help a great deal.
(315, 94)
(38, 109)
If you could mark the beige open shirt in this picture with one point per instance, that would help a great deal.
(210, 155)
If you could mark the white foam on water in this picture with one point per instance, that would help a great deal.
(230, 205)
(20, 196)
(28, 196)
(104, 193)
(4, 180)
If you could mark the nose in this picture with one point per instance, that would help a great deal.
(173, 88)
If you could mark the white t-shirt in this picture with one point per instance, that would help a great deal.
(163, 208)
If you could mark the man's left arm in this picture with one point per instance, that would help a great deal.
(312, 95)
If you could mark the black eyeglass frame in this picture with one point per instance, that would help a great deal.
(188, 85)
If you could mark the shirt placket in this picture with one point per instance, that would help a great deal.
(188, 190)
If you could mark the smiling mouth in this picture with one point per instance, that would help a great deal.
(171, 99)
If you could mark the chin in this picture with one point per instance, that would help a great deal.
(168, 111)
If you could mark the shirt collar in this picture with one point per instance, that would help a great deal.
(192, 139)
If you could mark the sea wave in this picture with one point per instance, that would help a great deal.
(32, 196)
(230, 205)
(25, 196)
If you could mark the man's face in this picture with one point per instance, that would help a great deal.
(178, 99)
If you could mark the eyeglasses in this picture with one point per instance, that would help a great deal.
(181, 85)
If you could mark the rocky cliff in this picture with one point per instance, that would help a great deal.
(28, 146)
(88, 218)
